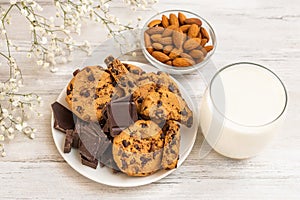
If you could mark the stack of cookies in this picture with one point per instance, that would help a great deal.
(124, 118)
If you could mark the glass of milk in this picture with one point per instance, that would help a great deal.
(242, 109)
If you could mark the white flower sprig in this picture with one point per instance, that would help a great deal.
(51, 43)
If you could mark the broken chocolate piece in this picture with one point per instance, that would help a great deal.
(89, 163)
(64, 118)
(76, 139)
(93, 141)
(107, 160)
(120, 113)
(68, 141)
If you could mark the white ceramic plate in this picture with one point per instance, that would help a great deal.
(104, 175)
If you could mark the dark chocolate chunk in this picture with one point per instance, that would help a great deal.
(76, 72)
(190, 122)
(76, 139)
(124, 164)
(68, 141)
(91, 77)
(94, 140)
(120, 113)
(64, 118)
(85, 93)
(125, 143)
(89, 163)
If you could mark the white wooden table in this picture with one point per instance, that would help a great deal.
(266, 32)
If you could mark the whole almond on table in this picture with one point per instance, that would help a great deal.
(183, 62)
(193, 21)
(193, 31)
(173, 20)
(181, 18)
(191, 44)
(160, 56)
(178, 38)
(164, 21)
(154, 23)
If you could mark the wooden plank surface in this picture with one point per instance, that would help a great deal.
(266, 32)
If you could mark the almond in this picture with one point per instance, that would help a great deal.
(203, 42)
(199, 60)
(208, 48)
(155, 30)
(169, 62)
(174, 20)
(204, 33)
(185, 55)
(156, 37)
(167, 49)
(160, 56)
(193, 31)
(164, 21)
(196, 53)
(150, 49)
(147, 40)
(193, 21)
(181, 18)
(154, 23)
(183, 62)
(192, 43)
(185, 28)
(172, 27)
(167, 32)
(165, 40)
(175, 53)
(178, 38)
(157, 46)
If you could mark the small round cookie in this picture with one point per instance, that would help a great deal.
(164, 105)
(137, 150)
(89, 91)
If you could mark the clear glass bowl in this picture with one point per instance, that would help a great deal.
(179, 70)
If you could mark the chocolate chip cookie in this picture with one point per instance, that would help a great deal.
(164, 105)
(171, 146)
(124, 80)
(137, 150)
(89, 91)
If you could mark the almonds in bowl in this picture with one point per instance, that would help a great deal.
(178, 41)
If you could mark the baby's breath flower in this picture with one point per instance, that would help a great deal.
(52, 43)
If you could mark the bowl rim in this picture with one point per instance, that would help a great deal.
(178, 69)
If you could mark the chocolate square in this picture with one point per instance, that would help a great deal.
(64, 118)
(93, 141)
(68, 141)
(120, 114)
